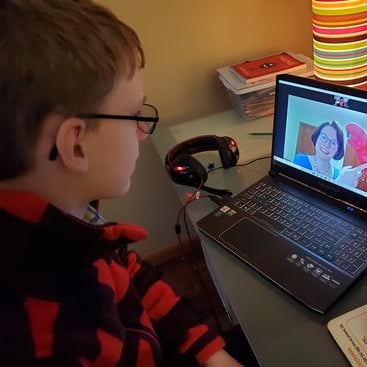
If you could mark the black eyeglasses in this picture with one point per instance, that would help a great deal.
(146, 118)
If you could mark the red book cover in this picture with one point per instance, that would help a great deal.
(269, 66)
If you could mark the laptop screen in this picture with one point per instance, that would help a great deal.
(320, 136)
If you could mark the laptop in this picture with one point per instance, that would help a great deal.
(303, 226)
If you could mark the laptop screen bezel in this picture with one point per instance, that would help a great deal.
(350, 199)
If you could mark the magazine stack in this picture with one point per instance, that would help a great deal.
(250, 84)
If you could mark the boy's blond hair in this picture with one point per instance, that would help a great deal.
(56, 56)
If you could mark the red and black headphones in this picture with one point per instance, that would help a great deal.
(186, 170)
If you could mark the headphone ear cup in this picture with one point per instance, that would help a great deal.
(186, 170)
(228, 151)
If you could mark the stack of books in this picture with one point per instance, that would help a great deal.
(250, 84)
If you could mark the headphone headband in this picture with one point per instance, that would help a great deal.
(194, 145)
(186, 170)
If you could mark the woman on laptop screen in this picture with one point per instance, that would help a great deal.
(328, 145)
(328, 142)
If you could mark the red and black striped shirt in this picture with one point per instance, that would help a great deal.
(73, 295)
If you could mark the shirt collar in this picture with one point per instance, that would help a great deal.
(43, 233)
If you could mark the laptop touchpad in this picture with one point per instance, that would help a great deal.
(252, 240)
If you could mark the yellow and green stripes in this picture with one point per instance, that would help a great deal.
(340, 41)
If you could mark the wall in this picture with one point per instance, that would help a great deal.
(184, 42)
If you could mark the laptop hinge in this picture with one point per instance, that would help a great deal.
(346, 203)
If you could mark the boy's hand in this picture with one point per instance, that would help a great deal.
(221, 359)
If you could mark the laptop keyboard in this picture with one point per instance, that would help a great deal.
(334, 239)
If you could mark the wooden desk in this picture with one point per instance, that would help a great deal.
(281, 331)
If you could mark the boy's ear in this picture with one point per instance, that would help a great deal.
(71, 144)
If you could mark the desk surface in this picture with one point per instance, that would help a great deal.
(281, 331)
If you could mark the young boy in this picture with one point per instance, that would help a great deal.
(72, 115)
